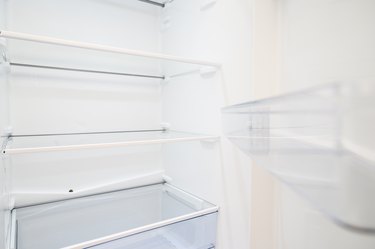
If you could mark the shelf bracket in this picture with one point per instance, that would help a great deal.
(3, 54)
(166, 24)
(206, 72)
(165, 126)
(167, 179)
(5, 143)
(4, 62)
(153, 3)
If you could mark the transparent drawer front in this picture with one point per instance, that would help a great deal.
(144, 213)
(196, 233)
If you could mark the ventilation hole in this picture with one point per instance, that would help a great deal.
(70, 190)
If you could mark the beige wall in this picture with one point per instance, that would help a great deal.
(265, 83)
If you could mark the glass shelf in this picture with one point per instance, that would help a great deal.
(160, 216)
(320, 143)
(43, 54)
(67, 142)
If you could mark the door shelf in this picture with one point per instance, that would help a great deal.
(320, 143)
(155, 216)
(69, 142)
(64, 55)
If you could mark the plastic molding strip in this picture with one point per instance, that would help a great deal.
(36, 144)
(104, 48)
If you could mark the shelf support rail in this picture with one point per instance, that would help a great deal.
(163, 4)
(104, 48)
(153, 3)
(86, 70)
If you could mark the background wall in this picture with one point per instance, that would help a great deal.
(50, 101)
(75, 102)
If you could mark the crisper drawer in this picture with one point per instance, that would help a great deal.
(156, 216)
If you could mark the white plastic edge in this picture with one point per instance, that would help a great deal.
(143, 229)
(98, 47)
(207, 71)
(107, 145)
(3, 42)
(187, 198)
(13, 231)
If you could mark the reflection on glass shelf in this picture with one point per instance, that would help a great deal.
(320, 143)
(161, 216)
(46, 143)
(45, 53)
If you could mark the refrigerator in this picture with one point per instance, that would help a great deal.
(200, 124)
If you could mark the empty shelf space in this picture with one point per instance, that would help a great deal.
(64, 142)
(314, 142)
(160, 216)
(85, 57)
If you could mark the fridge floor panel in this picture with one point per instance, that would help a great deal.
(118, 216)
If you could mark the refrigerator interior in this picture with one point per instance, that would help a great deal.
(128, 120)
(243, 52)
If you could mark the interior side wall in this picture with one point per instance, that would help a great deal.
(4, 176)
(50, 101)
(217, 31)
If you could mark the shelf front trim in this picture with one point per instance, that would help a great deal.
(122, 235)
(105, 145)
(104, 48)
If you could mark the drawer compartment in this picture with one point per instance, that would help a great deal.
(156, 216)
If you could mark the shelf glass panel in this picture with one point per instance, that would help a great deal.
(50, 52)
(123, 218)
(45, 143)
(320, 143)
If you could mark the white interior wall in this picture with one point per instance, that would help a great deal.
(4, 205)
(325, 41)
(49, 101)
(218, 31)
(4, 189)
